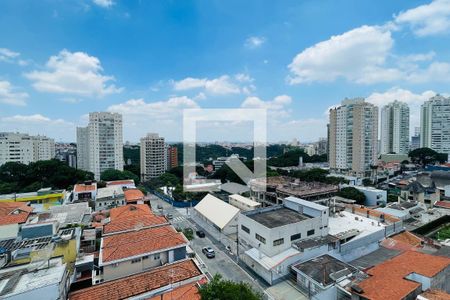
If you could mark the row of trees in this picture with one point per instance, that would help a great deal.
(20, 178)
(291, 158)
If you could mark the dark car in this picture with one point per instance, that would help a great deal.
(169, 216)
(200, 233)
(160, 206)
(209, 252)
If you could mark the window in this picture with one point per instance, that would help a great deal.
(115, 265)
(260, 238)
(156, 256)
(145, 257)
(246, 229)
(135, 260)
(278, 242)
(296, 236)
(310, 232)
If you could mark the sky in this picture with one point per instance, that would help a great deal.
(150, 60)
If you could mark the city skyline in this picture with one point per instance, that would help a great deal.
(148, 61)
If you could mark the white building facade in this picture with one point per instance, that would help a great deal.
(24, 148)
(101, 143)
(153, 156)
(353, 136)
(395, 128)
(435, 124)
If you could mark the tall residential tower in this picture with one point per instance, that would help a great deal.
(153, 156)
(353, 136)
(395, 128)
(101, 143)
(435, 124)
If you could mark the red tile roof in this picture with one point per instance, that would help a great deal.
(120, 182)
(435, 295)
(133, 195)
(141, 283)
(78, 188)
(387, 280)
(130, 217)
(184, 292)
(444, 204)
(133, 243)
(14, 213)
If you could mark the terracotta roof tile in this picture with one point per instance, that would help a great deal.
(387, 280)
(123, 245)
(445, 204)
(14, 213)
(141, 283)
(84, 188)
(184, 292)
(120, 182)
(435, 295)
(130, 217)
(133, 195)
(408, 238)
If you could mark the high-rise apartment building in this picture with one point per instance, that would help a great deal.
(415, 139)
(435, 124)
(24, 148)
(395, 128)
(353, 136)
(172, 157)
(100, 144)
(153, 156)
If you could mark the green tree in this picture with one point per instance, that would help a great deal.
(352, 193)
(219, 289)
(425, 156)
(111, 174)
(366, 182)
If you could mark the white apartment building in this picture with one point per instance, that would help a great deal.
(24, 148)
(353, 136)
(395, 128)
(101, 143)
(435, 124)
(153, 156)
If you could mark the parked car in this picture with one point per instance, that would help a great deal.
(169, 216)
(160, 206)
(209, 252)
(200, 233)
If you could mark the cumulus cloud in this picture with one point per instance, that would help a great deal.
(164, 117)
(103, 3)
(428, 19)
(254, 42)
(277, 108)
(73, 73)
(9, 96)
(219, 86)
(357, 55)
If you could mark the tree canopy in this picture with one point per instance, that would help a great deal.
(291, 158)
(17, 177)
(111, 174)
(352, 193)
(425, 156)
(220, 289)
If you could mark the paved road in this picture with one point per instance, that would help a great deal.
(223, 263)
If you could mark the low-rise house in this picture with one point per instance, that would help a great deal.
(41, 200)
(178, 280)
(373, 196)
(131, 217)
(403, 210)
(84, 191)
(124, 184)
(243, 203)
(216, 216)
(404, 277)
(12, 215)
(415, 191)
(134, 196)
(109, 197)
(39, 280)
(132, 252)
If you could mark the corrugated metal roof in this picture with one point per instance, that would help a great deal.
(216, 211)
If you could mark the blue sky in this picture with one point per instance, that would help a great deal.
(60, 60)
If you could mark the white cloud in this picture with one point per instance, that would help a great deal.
(7, 55)
(436, 71)
(357, 55)
(428, 19)
(243, 77)
(58, 129)
(164, 117)
(104, 3)
(276, 107)
(73, 73)
(8, 96)
(413, 100)
(254, 42)
(221, 85)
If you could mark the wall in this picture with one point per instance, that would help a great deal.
(9, 231)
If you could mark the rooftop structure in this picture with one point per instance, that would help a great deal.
(234, 188)
(131, 217)
(277, 216)
(134, 196)
(68, 214)
(216, 211)
(128, 183)
(243, 203)
(404, 276)
(134, 243)
(14, 213)
(147, 284)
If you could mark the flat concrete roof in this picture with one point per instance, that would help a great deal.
(277, 217)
